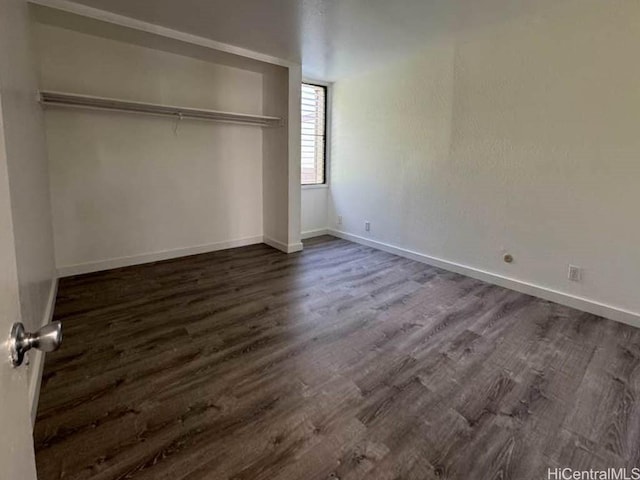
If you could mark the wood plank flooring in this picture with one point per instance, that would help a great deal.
(340, 362)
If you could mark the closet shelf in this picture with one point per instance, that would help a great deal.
(72, 100)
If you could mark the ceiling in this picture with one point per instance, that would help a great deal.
(332, 38)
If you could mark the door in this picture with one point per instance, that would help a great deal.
(17, 458)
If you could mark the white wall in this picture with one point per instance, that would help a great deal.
(521, 136)
(314, 210)
(275, 166)
(281, 161)
(294, 168)
(127, 186)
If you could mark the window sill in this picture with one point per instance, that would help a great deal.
(312, 187)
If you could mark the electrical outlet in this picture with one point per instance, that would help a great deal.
(367, 226)
(574, 273)
(339, 222)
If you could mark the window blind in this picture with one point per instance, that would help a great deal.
(313, 110)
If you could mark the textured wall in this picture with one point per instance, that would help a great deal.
(520, 136)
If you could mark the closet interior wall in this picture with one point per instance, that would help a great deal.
(129, 188)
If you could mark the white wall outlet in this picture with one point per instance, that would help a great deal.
(339, 222)
(367, 226)
(575, 273)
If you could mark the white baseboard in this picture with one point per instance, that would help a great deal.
(36, 357)
(283, 247)
(69, 270)
(295, 247)
(314, 233)
(579, 303)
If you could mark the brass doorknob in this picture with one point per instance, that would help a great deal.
(46, 339)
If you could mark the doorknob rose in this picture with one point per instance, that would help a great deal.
(46, 339)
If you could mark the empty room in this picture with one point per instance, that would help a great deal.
(320, 239)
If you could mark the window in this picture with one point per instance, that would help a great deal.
(314, 106)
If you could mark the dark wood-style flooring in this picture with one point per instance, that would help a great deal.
(341, 362)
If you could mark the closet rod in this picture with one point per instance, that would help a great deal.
(72, 100)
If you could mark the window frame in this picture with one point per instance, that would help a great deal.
(327, 133)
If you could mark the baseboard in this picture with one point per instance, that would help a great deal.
(295, 247)
(283, 247)
(579, 303)
(314, 233)
(90, 267)
(36, 357)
